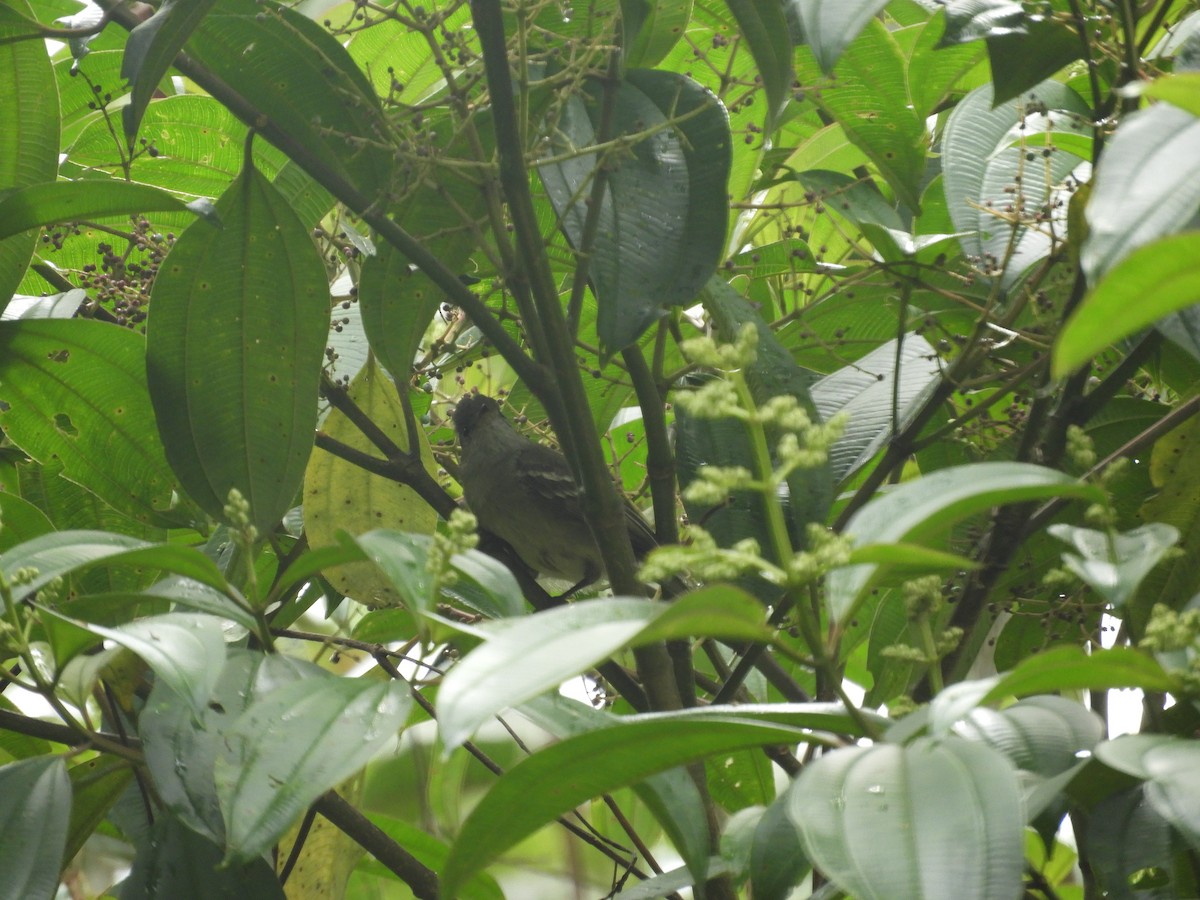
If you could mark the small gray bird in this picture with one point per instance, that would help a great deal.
(525, 494)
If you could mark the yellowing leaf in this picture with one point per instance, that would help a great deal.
(341, 495)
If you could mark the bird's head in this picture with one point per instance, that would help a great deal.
(472, 411)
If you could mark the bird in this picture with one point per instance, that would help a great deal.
(525, 494)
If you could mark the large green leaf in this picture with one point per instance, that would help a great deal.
(928, 820)
(555, 780)
(150, 50)
(764, 28)
(650, 28)
(96, 784)
(185, 650)
(1113, 565)
(1182, 89)
(200, 147)
(29, 140)
(293, 745)
(341, 495)
(75, 392)
(918, 510)
(296, 72)
(235, 341)
(934, 71)
(662, 223)
(524, 657)
(1020, 61)
(1170, 767)
(777, 860)
(870, 102)
(1045, 735)
(59, 553)
(830, 27)
(175, 861)
(1071, 669)
(181, 747)
(672, 796)
(35, 809)
(984, 161)
(970, 20)
(1175, 471)
(22, 520)
(1147, 285)
(1124, 837)
(1146, 186)
(66, 201)
(879, 393)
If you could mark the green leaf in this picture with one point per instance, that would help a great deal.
(22, 521)
(1114, 565)
(174, 861)
(397, 303)
(555, 780)
(1044, 735)
(878, 820)
(200, 144)
(62, 552)
(650, 28)
(1175, 471)
(68, 201)
(879, 393)
(185, 650)
(870, 102)
(524, 657)
(1125, 836)
(1146, 186)
(75, 392)
(918, 510)
(444, 212)
(777, 860)
(403, 560)
(1170, 767)
(299, 741)
(150, 50)
(35, 810)
(1147, 285)
(934, 72)
(234, 347)
(1181, 89)
(981, 164)
(671, 796)
(830, 27)
(970, 20)
(764, 28)
(663, 217)
(1069, 668)
(29, 140)
(181, 747)
(296, 72)
(1020, 61)
(96, 784)
(57, 553)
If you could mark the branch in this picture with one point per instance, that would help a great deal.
(421, 879)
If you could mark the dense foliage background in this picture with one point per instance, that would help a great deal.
(891, 303)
